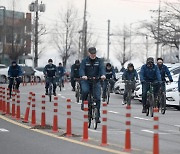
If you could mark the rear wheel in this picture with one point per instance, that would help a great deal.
(77, 93)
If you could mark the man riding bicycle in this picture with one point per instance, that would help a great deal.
(91, 67)
(50, 71)
(110, 75)
(60, 74)
(130, 74)
(164, 71)
(75, 73)
(14, 72)
(149, 73)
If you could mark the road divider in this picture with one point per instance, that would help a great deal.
(33, 117)
(104, 124)
(55, 118)
(85, 124)
(13, 104)
(43, 112)
(8, 102)
(156, 133)
(127, 147)
(68, 124)
(26, 117)
(0, 99)
(18, 107)
(4, 101)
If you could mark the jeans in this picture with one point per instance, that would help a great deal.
(146, 88)
(86, 87)
(50, 80)
(127, 88)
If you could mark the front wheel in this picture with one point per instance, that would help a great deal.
(163, 104)
(89, 117)
(95, 118)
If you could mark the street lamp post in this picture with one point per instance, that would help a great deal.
(4, 32)
(36, 7)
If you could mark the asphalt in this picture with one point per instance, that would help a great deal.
(141, 127)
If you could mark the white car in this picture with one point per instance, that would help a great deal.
(172, 95)
(39, 75)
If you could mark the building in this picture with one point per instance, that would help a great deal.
(15, 35)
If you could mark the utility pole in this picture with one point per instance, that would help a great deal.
(12, 43)
(108, 41)
(124, 50)
(147, 46)
(159, 15)
(36, 7)
(36, 37)
(84, 36)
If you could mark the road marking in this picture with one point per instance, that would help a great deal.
(3, 130)
(63, 97)
(161, 133)
(113, 112)
(63, 138)
(140, 118)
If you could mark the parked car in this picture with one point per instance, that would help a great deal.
(39, 69)
(39, 75)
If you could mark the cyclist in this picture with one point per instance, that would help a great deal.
(149, 73)
(91, 67)
(74, 73)
(60, 74)
(130, 74)
(164, 71)
(14, 71)
(110, 74)
(50, 71)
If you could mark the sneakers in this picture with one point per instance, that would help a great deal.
(46, 93)
(54, 93)
(123, 102)
(144, 109)
(73, 89)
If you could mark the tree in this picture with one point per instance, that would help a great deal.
(65, 33)
(121, 37)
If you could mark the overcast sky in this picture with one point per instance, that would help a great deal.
(120, 12)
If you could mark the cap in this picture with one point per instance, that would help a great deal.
(92, 50)
(50, 60)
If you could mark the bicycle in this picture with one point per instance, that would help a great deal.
(60, 83)
(14, 85)
(161, 99)
(108, 90)
(50, 88)
(93, 114)
(77, 89)
(151, 103)
(129, 87)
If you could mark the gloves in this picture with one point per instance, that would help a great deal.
(103, 77)
(84, 77)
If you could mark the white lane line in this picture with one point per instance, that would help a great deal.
(59, 94)
(3, 130)
(152, 132)
(63, 97)
(113, 112)
(140, 118)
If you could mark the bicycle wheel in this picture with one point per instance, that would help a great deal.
(147, 105)
(129, 97)
(108, 94)
(89, 116)
(95, 117)
(163, 103)
(50, 93)
(78, 93)
(151, 107)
